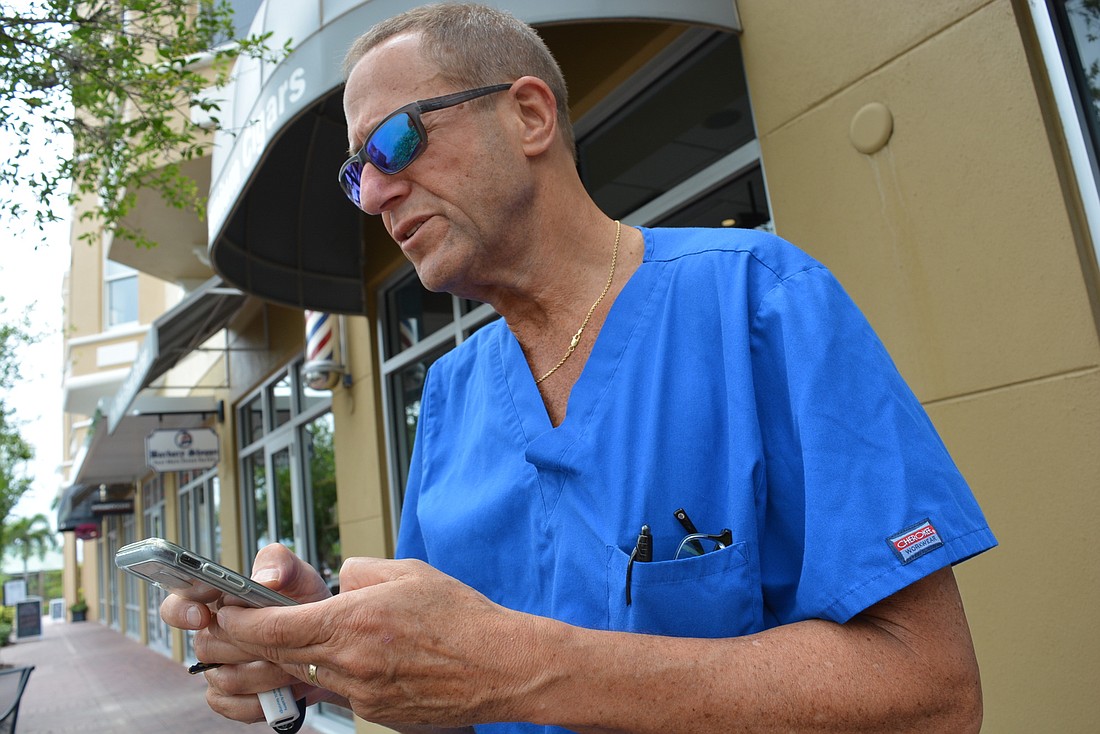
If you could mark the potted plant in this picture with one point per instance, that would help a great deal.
(79, 610)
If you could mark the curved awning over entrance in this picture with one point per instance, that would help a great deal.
(279, 226)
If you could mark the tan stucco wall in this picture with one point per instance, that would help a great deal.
(229, 490)
(359, 444)
(955, 240)
(83, 305)
(263, 338)
(89, 576)
(70, 572)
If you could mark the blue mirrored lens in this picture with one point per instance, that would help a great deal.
(349, 180)
(395, 143)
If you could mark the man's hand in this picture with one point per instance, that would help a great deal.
(233, 687)
(402, 642)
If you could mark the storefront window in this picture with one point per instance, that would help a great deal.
(405, 388)
(153, 525)
(669, 129)
(281, 396)
(131, 585)
(414, 314)
(418, 327)
(1079, 24)
(255, 477)
(321, 460)
(198, 523)
(252, 420)
(281, 496)
(110, 573)
(276, 466)
(738, 202)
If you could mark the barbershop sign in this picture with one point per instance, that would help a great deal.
(181, 449)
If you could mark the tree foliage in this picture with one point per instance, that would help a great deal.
(15, 452)
(120, 79)
(28, 536)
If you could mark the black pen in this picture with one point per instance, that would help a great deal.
(201, 667)
(643, 551)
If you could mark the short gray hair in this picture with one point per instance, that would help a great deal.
(473, 46)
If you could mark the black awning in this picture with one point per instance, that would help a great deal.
(293, 237)
(82, 506)
(175, 334)
(75, 508)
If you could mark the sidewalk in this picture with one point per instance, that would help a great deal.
(91, 679)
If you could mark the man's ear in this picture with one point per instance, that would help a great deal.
(537, 114)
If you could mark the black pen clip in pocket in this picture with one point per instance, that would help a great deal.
(643, 552)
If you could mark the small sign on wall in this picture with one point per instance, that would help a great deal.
(181, 449)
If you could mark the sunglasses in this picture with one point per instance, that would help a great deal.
(399, 139)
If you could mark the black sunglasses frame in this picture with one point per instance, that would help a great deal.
(414, 110)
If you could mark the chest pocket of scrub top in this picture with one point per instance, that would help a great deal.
(716, 594)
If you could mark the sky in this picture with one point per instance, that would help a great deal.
(32, 269)
(31, 279)
(31, 276)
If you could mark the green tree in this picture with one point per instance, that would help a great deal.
(28, 536)
(15, 452)
(133, 70)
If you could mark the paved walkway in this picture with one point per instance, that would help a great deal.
(91, 679)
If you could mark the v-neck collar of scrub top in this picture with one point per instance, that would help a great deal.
(547, 444)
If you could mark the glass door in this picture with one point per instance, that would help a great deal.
(285, 496)
(153, 521)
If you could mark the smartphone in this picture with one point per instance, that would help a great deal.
(179, 571)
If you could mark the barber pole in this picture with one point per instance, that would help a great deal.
(322, 371)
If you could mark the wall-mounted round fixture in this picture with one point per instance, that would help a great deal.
(871, 128)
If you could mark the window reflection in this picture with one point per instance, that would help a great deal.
(256, 476)
(289, 470)
(687, 120)
(312, 398)
(413, 314)
(1083, 48)
(321, 456)
(252, 420)
(284, 510)
(406, 387)
(281, 402)
(740, 202)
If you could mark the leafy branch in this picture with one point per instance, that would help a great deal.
(120, 79)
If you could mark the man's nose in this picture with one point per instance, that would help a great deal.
(379, 192)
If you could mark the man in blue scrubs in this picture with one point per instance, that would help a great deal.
(680, 486)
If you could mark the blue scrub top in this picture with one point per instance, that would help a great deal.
(733, 378)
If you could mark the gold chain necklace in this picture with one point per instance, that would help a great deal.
(607, 286)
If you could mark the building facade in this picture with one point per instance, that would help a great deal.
(939, 157)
